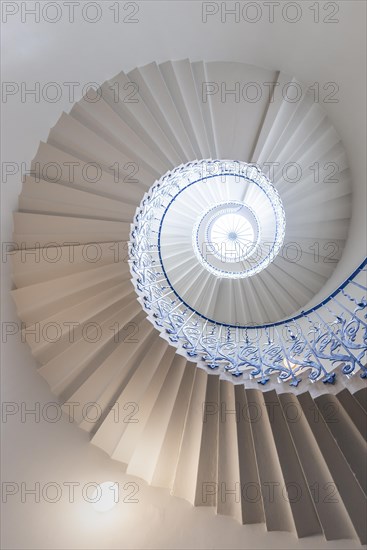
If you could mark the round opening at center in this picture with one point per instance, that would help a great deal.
(231, 236)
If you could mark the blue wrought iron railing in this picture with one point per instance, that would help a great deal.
(317, 341)
(328, 338)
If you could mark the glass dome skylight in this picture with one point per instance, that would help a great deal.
(228, 232)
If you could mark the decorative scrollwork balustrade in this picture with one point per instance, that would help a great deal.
(319, 343)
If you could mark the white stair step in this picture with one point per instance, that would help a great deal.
(55, 165)
(200, 77)
(277, 511)
(74, 138)
(345, 482)
(235, 116)
(156, 96)
(251, 496)
(180, 82)
(270, 123)
(42, 300)
(296, 489)
(35, 230)
(124, 98)
(361, 396)
(110, 432)
(229, 500)
(63, 371)
(146, 453)
(102, 119)
(108, 380)
(31, 267)
(329, 506)
(53, 335)
(50, 198)
(350, 441)
(125, 448)
(166, 465)
(207, 488)
(186, 475)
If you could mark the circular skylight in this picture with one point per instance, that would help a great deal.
(231, 235)
(227, 231)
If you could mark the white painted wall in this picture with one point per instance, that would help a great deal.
(84, 52)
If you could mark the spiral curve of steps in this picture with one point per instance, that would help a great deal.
(148, 407)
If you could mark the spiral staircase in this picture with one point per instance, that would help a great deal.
(271, 427)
